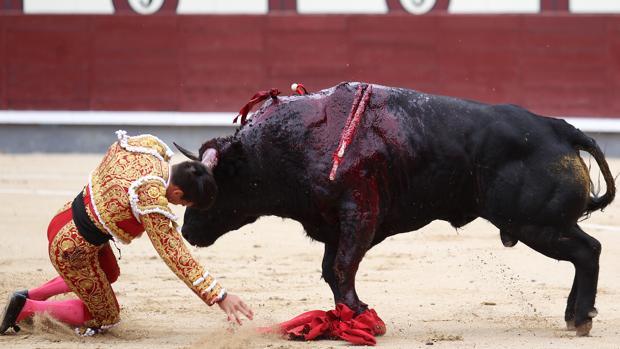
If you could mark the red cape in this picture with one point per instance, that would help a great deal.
(340, 323)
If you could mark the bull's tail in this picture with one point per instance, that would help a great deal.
(587, 144)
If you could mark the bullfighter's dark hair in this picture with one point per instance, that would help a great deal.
(196, 182)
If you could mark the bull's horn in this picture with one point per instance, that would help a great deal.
(186, 152)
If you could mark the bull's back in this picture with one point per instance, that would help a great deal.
(435, 157)
(457, 159)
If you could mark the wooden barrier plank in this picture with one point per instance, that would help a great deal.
(47, 65)
(3, 63)
(556, 64)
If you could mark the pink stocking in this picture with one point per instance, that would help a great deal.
(71, 312)
(53, 287)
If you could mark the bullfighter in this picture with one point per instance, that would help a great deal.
(127, 194)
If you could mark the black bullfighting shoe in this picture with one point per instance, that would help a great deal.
(508, 240)
(23, 293)
(12, 309)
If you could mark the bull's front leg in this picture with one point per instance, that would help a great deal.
(328, 270)
(358, 223)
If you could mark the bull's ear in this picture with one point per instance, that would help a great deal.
(186, 152)
(209, 158)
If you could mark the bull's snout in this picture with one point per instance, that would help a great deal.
(195, 238)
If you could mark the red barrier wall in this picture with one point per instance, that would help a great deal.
(554, 64)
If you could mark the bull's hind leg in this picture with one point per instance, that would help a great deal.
(580, 304)
(569, 313)
(583, 251)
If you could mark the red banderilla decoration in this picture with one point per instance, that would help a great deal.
(299, 89)
(348, 132)
(257, 98)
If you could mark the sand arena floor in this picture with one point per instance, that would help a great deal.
(440, 286)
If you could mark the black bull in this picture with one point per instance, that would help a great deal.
(415, 158)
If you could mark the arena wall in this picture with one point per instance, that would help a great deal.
(556, 64)
(556, 57)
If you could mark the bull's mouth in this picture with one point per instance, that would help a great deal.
(196, 239)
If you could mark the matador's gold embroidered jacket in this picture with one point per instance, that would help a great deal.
(126, 196)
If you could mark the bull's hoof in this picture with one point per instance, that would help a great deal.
(570, 325)
(584, 329)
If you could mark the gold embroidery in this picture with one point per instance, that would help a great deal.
(154, 192)
(169, 245)
(148, 142)
(152, 196)
(91, 215)
(115, 174)
(77, 261)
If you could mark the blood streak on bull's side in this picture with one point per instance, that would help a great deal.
(353, 120)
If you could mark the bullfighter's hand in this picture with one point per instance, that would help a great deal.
(233, 305)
